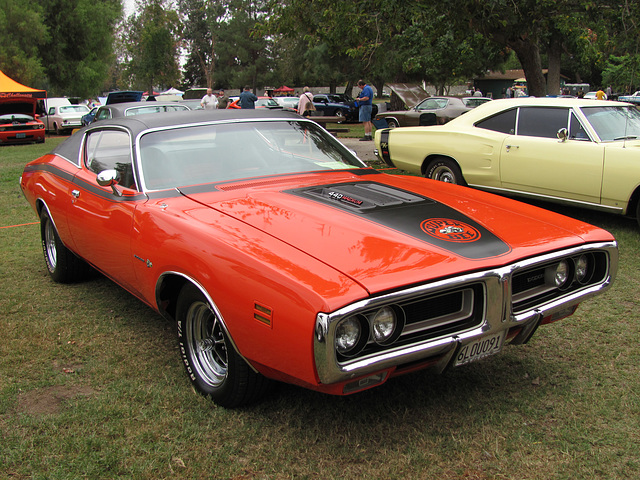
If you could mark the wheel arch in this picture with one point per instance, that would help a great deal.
(435, 156)
(168, 288)
(634, 204)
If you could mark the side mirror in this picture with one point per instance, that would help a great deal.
(563, 134)
(108, 178)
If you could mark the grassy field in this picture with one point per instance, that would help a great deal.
(91, 386)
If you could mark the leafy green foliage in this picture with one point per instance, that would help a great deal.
(153, 47)
(22, 34)
(79, 49)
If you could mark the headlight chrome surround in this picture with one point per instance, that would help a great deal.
(351, 335)
(387, 324)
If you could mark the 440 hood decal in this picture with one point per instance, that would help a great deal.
(406, 212)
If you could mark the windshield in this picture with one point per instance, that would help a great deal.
(615, 122)
(15, 117)
(154, 109)
(215, 153)
(74, 109)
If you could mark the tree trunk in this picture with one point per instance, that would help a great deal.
(528, 53)
(554, 53)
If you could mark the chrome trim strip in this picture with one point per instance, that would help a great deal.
(550, 198)
(498, 315)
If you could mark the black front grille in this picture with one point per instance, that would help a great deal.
(533, 287)
(444, 313)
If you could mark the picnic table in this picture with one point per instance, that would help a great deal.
(323, 120)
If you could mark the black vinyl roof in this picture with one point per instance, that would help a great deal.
(139, 123)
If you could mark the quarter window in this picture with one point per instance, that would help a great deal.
(504, 122)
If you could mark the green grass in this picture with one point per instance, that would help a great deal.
(91, 386)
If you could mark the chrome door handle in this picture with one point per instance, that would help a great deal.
(509, 147)
(75, 193)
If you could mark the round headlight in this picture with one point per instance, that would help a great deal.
(582, 268)
(384, 324)
(562, 273)
(348, 334)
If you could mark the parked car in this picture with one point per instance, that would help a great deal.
(18, 121)
(579, 152)
(335, 105)
(64, 118)
(130, 109)
(88, 118)
(268, 102)
(634, 98)
(432, 111)
(281, 256)
(261, 102)
(288, 103)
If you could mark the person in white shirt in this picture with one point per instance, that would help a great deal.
(209, 101)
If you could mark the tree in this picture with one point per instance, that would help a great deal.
(202, 23)
(152, 46)
(23, 31)
(78, 50)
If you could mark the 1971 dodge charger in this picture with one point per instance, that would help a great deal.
(280, 256)
(579, 152)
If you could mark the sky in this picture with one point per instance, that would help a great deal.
(129, 7)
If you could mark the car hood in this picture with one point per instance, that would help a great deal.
(410, 94)
(386, 231)
(25, 106)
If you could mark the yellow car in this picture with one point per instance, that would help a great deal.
(579, 152)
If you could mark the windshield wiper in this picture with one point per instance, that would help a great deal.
(627, 137)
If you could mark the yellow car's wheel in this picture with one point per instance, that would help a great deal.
(445, 170)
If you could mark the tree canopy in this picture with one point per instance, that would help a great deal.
(83, 47)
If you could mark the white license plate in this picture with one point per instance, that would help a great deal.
(483, 347)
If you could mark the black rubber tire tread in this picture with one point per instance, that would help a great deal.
(241, 386)
(68, 267)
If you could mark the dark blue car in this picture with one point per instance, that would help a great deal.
(338, 105)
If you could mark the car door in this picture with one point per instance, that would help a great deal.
(534, 160)
(100, 221)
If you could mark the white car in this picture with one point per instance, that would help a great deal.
(290, 103)
(64, 118)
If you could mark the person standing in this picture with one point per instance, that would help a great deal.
(223, 99)
(247, 99)
(365, 102)
(305, 103)
(209, 101)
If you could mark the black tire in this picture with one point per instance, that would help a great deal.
(445, 170)
(62, 264)
(392, 123)
(216, 370)
(638, 213)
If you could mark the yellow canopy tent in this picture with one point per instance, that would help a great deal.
(10, 88)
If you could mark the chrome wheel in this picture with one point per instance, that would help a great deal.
(444, 174)
(206, 344)
(50, 248)
(445, 170)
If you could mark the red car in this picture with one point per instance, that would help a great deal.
(280, 256)
(18, 121)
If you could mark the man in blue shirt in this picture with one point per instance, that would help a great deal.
(365, 102)
(247, 99)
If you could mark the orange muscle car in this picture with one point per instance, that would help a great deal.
(281, 256)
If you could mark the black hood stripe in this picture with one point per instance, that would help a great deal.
(412, 214)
